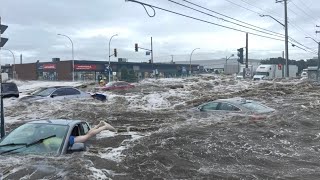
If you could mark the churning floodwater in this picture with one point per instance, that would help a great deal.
(160, 137)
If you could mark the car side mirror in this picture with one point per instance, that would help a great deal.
(53, 95)
(76, 147)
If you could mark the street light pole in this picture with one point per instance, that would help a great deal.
(227, 58)
(14, 62)
(191, 58)
(72, 54)
(110, 56)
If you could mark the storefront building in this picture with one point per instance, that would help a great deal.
(96, 70)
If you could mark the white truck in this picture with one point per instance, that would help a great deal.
(272, 71)
(252, 69)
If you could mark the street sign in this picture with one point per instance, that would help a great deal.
(247, 73)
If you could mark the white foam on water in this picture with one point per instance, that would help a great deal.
(115, 154)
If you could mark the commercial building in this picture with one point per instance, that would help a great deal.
(85, 70)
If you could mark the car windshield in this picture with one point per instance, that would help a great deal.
(256, 107)
(44, 92)
(33, 132)
(9, 87)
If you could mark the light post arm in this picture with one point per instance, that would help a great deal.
(262, 15)
(72, 54)
(191, 58)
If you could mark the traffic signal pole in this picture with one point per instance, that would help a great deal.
(1, 100)
(247, 51)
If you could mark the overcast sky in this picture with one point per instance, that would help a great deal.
(34, 25)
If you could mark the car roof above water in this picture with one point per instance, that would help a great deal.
(234, 100)
(55, 121)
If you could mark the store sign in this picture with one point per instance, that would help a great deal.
(49, 66)
(85, 67)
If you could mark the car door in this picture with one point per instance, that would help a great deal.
(72, 93)
(59, 94)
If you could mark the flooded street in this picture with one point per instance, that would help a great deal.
(161, 137)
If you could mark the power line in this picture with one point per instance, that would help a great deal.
(243, 7)
(307, 8)
(237, 24)
(205, 21)
(226, 20)
(269, 12)
(152, 6)
(303, 11)
(230, 17)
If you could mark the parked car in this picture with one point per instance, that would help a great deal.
(57, 93)
(30, 138)
(9, 89)
(236, 105)
(116, 85)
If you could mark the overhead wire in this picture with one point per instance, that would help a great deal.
(226, 20)
(205, 21)
(304, 12)
(230, 17)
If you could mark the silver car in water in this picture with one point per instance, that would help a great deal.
(235, 105)
(31, 138)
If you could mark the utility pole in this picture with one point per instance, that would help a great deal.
(151, 51)
(282, 65)
(286, 33)
(247, 50)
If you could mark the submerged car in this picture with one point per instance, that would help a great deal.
(235, 105)
(58, 93)
(117, 85)
(32, 137)
(9, 89)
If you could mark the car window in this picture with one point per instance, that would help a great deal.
(71, 91)
(75, 131)
(44, 92)
(9, 87)
(228, 107)
(85, 128)
(60, 92)
(210, 106)
(256, 107)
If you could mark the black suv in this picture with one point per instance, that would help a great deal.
(9, 90)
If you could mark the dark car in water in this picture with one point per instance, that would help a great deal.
(32, 137)
(9, 89)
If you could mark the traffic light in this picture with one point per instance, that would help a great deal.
(115, 53)
(280, 66)
(136, 47)
(240, 55)
(2, 29)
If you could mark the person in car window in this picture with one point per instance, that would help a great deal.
(54, 143)
(92, 132)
